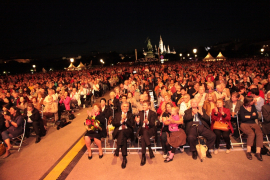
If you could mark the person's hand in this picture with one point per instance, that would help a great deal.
(216, 110)
(233, 114)
(137, 119)
(253, 114)
(145, 121)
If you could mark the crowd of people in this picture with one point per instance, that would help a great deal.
(175, 101)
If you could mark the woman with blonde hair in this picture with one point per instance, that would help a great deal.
(210, 102)
(210, 87)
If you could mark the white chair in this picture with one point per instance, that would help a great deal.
(240, 134)
(20, 138)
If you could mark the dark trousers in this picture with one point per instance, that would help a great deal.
(82, 100)
(88, 99)
(47, 115)
(145, 138)
(37, 126)
(61, 108)
(163, 139)
(203, 131)
(226, 137)
(122, 137)
(73, 103)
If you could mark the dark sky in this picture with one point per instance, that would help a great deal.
(64, 29)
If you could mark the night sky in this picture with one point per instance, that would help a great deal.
(33, 30)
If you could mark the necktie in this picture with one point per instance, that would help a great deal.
(145, 117)
(197, 119)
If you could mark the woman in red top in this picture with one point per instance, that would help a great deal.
(219, 113)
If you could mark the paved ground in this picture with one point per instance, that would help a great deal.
(35, 161)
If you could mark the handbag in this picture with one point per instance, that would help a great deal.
(221, 126)
(2, 149)
(201, 149)
(71, 116)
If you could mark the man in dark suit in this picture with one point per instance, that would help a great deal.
(123, 122)
(197, 118)
(106, 110)
(266, 116)
(113, 102)
(147, 128)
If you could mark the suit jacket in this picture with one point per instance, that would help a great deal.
(107, 112)
(188, 119)
(35, 117)
(115, 104)
(229, 105)
(266, 119)
(117, 123)
(152, 117)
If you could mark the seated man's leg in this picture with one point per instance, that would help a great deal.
(36, 128)
(209, 135)
(192, 138)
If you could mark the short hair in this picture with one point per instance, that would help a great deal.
(124, 103)
(220, 99)
(219, 85)
(31, 105)
(112, 93)
(187, 95)
(255, 91)
(194, 99)
(211, 84)
(236, 94)
(148, 103)
(202, 87)
(182, 88)
(248, 100)
(98, 105)
(103, 99)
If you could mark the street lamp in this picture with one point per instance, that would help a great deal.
(34, 66)
(262, 50)
(101, 61)
(71, 60)
(188, 54)
(195, 51)
(180, 56)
